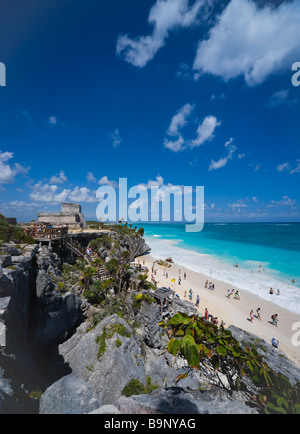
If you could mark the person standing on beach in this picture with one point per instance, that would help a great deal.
(206, 314)
(198, 301)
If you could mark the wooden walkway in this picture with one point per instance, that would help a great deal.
(45, 233)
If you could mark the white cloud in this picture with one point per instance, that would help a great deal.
(52, 120)
(217, 97)
(82, 194)
(285, 201)
(90, 177)
(175, 146)
(180, 119)
(105, 181)
(251, 42)
(115, 138)
(238, 204)
(7, 171)
(60, 179)
(296, 169)
(278, 98)
(214, 165)
(205, 131)
(254, 199)
(255, 166)
(51, 194)
(48, 193)
(158, 182)
(164, 16)
(284, 167)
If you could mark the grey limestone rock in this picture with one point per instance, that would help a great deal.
(69, 395)
(176, 400)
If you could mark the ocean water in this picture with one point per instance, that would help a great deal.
(268, 255)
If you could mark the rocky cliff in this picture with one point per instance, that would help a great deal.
(65, 355)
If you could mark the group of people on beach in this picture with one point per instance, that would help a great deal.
(231, 293)
(272, 291)
(179, 277)
(209, 285)
(274, 317)
(236, 294)
(190, 294)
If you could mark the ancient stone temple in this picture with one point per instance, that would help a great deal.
(70, 215)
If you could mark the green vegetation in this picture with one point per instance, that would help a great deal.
(134, 387)
(108, 333)
(118, 343)
(200, 342)
(13, 233)
(103, 241)
(95, 294)
(101, 341)
(36, 394)
(139, 298)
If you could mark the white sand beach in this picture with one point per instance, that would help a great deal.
(231, 311)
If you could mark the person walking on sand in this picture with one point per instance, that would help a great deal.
(237, 295)
(275, 319)
(258, 313)
(251, 316)
(185, 294)
(198, 301)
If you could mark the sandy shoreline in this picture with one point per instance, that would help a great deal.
(231, 311)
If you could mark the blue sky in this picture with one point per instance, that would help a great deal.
(165, 92)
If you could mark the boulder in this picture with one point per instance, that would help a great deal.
(106, 360)
(106, 409)
(149, 317)
(176, 400)
(69, 395)
(5, 260)
(274, 357)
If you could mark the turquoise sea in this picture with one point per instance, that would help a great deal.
(267, 254)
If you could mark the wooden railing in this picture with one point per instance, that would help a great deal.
(81, 251)
(48, 233)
